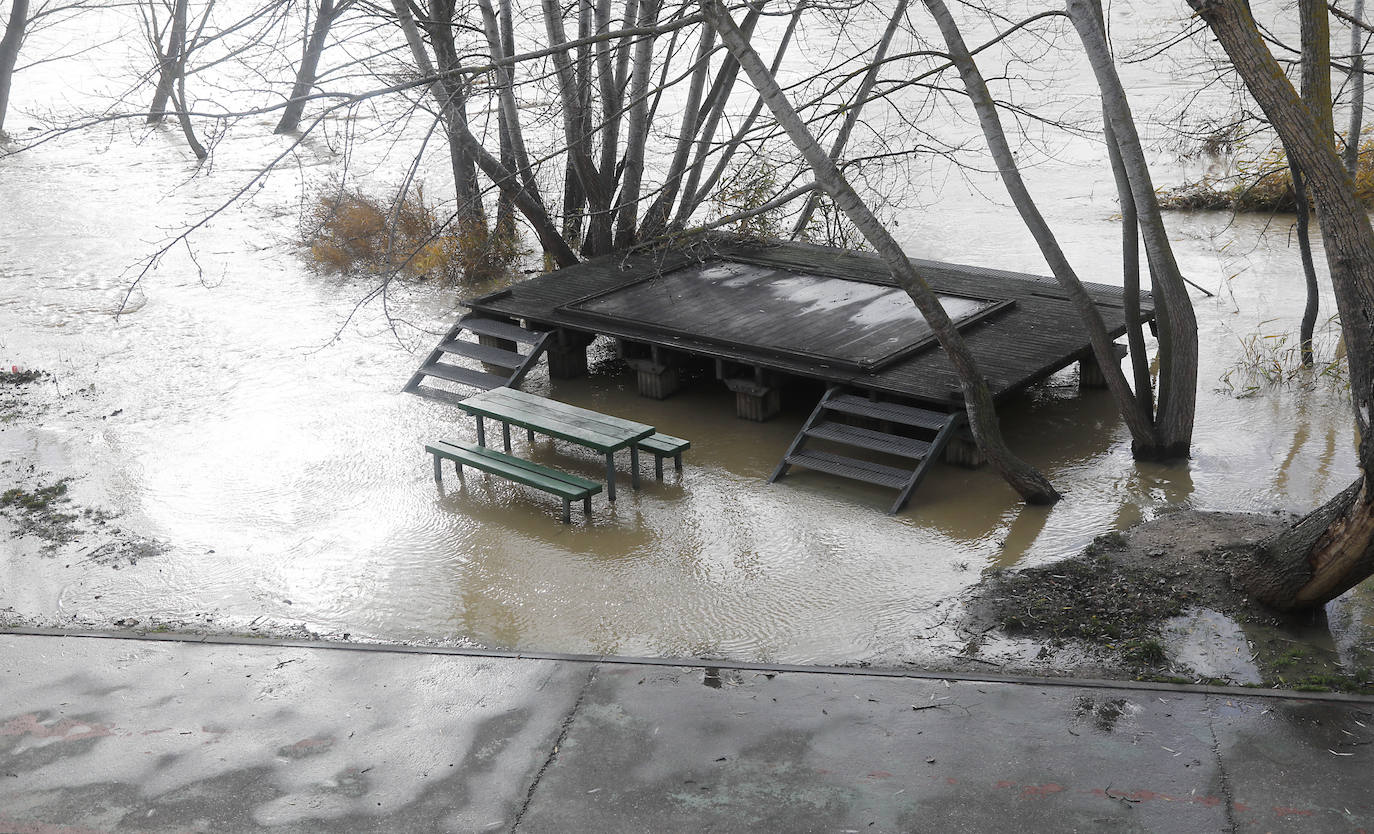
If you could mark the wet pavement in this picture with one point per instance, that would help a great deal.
(130, 735)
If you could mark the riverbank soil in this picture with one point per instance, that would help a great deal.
(1158, 602)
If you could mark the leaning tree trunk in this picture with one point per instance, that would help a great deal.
(310, 64)
(1142, 432)
(9, 53)
(1332, 549)
(1025, 479)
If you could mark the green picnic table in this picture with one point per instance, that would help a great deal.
(602, 432)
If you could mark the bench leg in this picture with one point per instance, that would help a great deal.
(529, 435)
(610, 477)
(587, 505)
(505, 436)
(438, 471)
(677, 461)
(634, 466)
(658, 467)
(481, 431)
(567, 511)
(458, 467)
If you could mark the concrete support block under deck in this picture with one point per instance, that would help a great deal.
(755, 400)
(656, 381)
(567, 353)
(963, 451)
(1090, 373)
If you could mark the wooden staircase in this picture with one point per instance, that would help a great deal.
(496, 347)
(825, 423)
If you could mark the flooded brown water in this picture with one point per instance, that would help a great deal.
(245, 413)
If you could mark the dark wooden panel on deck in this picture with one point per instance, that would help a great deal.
(1036, 335)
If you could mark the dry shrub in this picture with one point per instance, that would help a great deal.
(1263, 184)
(1274, 360)
(349, 231)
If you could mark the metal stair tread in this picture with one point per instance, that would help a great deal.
(892, 412)
(464, 376)
(499, 329)
(484, 353)
(907, 447)
(859, 470)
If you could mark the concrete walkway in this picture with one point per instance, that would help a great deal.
(104, 735)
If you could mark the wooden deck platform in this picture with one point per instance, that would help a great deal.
(814, 312)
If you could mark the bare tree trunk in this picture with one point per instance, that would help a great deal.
(1142, 432)
(9, 53)
(169, 60)
(1332, 549)
(637, 131)
(1309, 267)
(1173, 426)
(1316, 93)
(1130, 281)
(325, 16)
(1356, 82)
(452, 95)
(712, 111)
(656, 217)
(731, 147)
(856, 107)
(582, 179)
(1025, 479)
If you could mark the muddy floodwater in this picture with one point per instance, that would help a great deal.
(241, 423)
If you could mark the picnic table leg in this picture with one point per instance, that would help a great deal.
(567, 511)
(505, 436)
(438, 471)
(658, 467)
(610, 477)
(529, 435)
(481, 431)
(634, 466)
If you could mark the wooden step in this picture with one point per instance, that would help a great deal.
(499, 329)
(464, 376)
(859, 470)
(892, 412)
(436, 394)
(484, 353)
(907, 447)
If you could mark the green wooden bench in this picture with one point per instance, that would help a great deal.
(663, 446)
(568, 487)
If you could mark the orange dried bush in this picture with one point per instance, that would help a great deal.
(350, 231)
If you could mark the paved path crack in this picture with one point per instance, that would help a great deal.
(557, 743)
(1225, 778)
